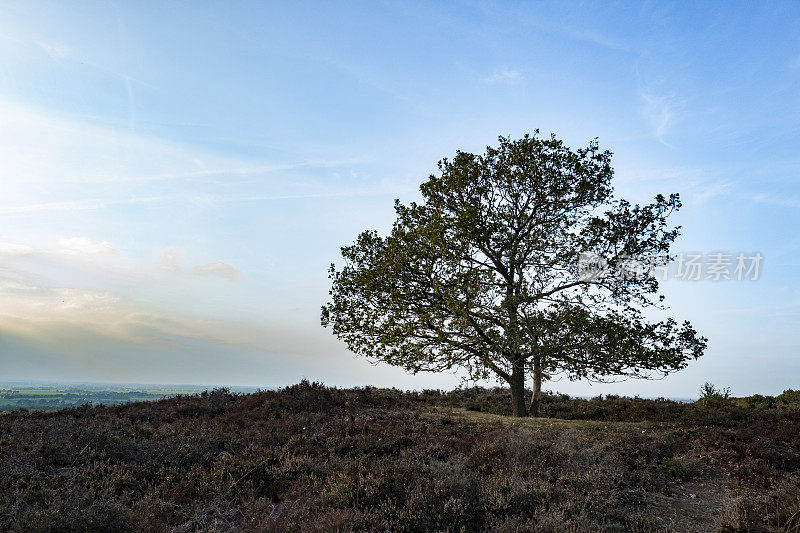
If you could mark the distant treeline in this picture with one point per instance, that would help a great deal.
(51, 399)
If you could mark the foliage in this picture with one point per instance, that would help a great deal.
(788, 397)
(710, 394)
(485, 275)
(674, 468)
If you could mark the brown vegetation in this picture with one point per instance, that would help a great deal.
(316, 458)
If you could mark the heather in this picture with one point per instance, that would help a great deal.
(314, 458)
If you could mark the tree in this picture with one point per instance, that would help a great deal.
(515, 265)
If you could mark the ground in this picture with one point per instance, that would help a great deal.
(314, 458)
(688, 505)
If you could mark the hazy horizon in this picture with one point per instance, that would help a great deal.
(199, 387)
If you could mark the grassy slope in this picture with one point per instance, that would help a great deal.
(323, 459)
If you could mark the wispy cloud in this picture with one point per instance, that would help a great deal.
(56, 50)
(171, 260)
(773, 198)
(41, 314)
(505, 75)
(49, 162)
(35, 297)
(84, 245)
(32, 208)
(659, 111)
(37, 145)
(13, 249)
(703, 192)
(219, 269)
(601, 39)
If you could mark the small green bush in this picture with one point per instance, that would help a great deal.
(789, 397)
(674, 468)
(711, 394)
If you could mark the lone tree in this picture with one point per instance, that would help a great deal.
(518, 261)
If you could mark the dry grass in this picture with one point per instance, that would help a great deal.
(315, 458)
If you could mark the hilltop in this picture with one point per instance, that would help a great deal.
(316, 458)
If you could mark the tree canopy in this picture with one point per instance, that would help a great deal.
(516, 263)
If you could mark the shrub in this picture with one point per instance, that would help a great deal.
(674, 468)
(710, 394)
(789, 397)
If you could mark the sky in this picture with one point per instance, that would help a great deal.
(177, 177)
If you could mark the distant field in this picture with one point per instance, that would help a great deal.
(56, 396)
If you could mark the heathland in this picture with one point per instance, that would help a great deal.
(309, 457)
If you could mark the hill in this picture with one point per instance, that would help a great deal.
(316, 458)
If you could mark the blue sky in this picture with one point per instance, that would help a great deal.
(175, 178)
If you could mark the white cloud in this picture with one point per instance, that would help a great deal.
(773, 198)
(71, 300)
(23, 304)
(171, 259)
(56, 151)
(84, 245)
(36, 313)
(55, 50)
(219, 269)
(504, 75)
(703, 192)
(8, 248)
(659, 112)
(50, 162)
(80, 205)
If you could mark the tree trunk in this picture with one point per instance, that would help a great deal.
(518, 389)
(536, 398)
